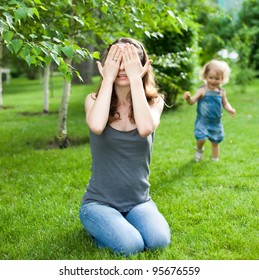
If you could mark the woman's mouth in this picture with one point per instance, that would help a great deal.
(122, 76)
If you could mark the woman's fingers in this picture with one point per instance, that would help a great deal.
(100, 67)
(114, 54)
(130, 52)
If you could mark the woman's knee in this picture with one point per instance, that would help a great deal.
(113, 232)
(130, 246)
(159, 239)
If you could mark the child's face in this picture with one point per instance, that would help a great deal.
(214, 79)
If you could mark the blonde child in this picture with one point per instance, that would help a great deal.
(211, 97)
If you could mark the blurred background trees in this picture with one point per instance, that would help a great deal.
(180, 36)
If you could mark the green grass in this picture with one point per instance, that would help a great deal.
(212, 207)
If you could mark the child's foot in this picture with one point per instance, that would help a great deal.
(215, 159)
(198, 154)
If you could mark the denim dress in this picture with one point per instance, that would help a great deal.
(208, 124)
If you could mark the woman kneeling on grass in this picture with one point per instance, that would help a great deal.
(117, 210)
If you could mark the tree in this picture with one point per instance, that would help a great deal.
(40, 32)
(1, 85)
(249, 22)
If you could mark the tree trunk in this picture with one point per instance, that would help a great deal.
(63, 141)
(46, 89)
(1, 91)
(1, 81)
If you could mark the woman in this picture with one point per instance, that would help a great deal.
(117, 210)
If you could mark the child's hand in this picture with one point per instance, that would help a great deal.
(232, 112)
(186, 95)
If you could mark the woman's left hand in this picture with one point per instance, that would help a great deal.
(132, 63)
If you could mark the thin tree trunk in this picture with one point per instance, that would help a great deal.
(46, 89)
(62, 127)
(1, 91)
(1, 83)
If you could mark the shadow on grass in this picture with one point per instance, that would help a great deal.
(71, 142)
(38, 113)
(75, 245)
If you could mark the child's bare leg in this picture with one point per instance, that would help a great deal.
(215, 151)
(199, 150)
(199, 144)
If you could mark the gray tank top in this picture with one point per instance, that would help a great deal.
(120, 168)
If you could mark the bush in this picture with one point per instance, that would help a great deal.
(174, 61)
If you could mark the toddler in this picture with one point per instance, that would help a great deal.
(210, 97)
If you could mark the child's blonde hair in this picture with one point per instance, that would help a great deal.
(221, 67)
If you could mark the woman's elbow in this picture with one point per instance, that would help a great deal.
(146, 131)
(98, 130)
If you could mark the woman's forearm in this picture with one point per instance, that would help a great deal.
(98, 115)
(145, 119)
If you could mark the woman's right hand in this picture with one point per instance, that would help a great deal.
(111, 65)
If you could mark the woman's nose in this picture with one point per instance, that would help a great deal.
(122, 65)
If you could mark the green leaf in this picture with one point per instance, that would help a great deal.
(8, 35)
(82, 53)
(104, 9)
(33, 36)
(29, 59)
(176, 21)
(79, 76)
(43, 8)
(46, 37)
(9, 47)
(56, 40)
(21, 13)
(68, 51)
(47, 59)
(184, 26)
(36, 50)
(147, 33)
(171, 14)
(25, 51)
(40, 58)
(79, 20)
(35, 11)
(16, 45)
(9, 20)
(55, 58)
(63, 68)
(96, 55)
(68, 76)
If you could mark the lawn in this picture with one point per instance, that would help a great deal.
(211, 207)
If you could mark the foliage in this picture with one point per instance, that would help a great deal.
(248, 24)
(41, 31)
(175, 54)
(172, 58)
(211, 207)
(244, 70)
(215, 33)
(43, 39)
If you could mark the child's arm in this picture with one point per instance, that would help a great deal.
(227, 105)
(193, 99)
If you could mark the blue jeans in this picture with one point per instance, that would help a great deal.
(126, 233)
